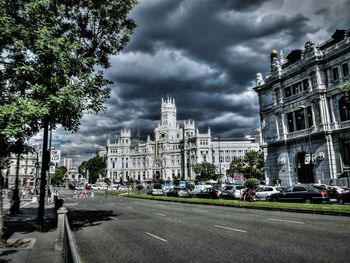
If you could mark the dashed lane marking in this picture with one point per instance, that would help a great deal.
(199, 210)
(286, 221)
(159, 214)
(162, 239)
(231, 229)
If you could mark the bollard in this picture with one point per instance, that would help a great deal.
(62, 213)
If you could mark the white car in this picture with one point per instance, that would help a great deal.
(264, 192)
(157, 191)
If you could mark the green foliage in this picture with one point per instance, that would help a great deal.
(205, 171)
(345, 88)
(96, 166)
(252, 183)
(58, 177)
(139, 187)
(252, 165)
(50, 51)
(176, 180)
(107, 181)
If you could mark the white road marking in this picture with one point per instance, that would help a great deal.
(287, 221)
(156, 237)
(232, 229)
(199, 210)
(129, 207)
(159, 214)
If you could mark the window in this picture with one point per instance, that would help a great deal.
(288, 92)
(300, 119)
(310, 121)
(345, 150)
(345, 68)
(297, 88)
(290, 122)
(306, 84)
(335, 74)
(344, 108)
(299, 189)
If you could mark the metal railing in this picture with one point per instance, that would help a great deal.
(65, 241)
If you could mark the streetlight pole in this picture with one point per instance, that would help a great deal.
(219, 158)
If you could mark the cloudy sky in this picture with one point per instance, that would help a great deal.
(206, 54)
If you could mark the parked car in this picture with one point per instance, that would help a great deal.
(172, 192)
(114, 187)
(344, 198)
(211, 193)
(198, 188)
(302, 193)
(264, 192)
(183, 192)
(157, 191)
(232, 191)
(122, 188)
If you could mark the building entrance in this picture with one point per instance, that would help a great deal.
(305, 169)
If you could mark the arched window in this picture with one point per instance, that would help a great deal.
(344, 109)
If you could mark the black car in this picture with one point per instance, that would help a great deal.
(301, 193)
(211, 193)
(173, 192)
(344, 198)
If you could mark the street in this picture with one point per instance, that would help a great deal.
(122, 229)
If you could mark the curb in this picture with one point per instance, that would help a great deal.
(282, 209)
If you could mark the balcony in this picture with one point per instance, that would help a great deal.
(301, 133)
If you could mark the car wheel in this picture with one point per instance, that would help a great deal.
(267, 198)
(274, 199)
(341, 201)
(307, 201)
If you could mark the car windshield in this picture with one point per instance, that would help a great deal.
(230, 187)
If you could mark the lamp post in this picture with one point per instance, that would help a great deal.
(219, 158)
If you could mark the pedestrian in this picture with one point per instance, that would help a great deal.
(75, 194)
(92, 194)
(107, 194)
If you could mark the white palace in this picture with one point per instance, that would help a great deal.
(173, 151)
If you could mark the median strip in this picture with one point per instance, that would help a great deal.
(287, 221)
(231, 229)
(162, 239)
(325, 209)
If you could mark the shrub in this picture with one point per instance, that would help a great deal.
(252, 183)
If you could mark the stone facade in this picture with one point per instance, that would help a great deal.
(305, 120)
(173, 152)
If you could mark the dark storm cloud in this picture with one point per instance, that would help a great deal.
(206, 54)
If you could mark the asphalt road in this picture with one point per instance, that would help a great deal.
(122, 229)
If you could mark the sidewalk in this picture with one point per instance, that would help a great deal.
(23, 226)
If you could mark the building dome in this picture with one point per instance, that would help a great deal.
(274, 54)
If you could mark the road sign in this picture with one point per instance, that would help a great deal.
(55, 156)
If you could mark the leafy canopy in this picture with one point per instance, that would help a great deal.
(252, 165)
(205, 171)
(50, 53)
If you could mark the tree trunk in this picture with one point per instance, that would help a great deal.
(44, 169)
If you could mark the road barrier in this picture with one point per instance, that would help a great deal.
(64, 241)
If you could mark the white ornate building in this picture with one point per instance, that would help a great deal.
(173, 152)
(305, 120)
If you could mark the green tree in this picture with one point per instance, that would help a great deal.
(58, 177)
(345, 89)
(96, 166)
(252, 183)
(236, 166)
(252, 165)
(205, 171)
(50, 50)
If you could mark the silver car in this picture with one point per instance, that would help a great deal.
(264, 192)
